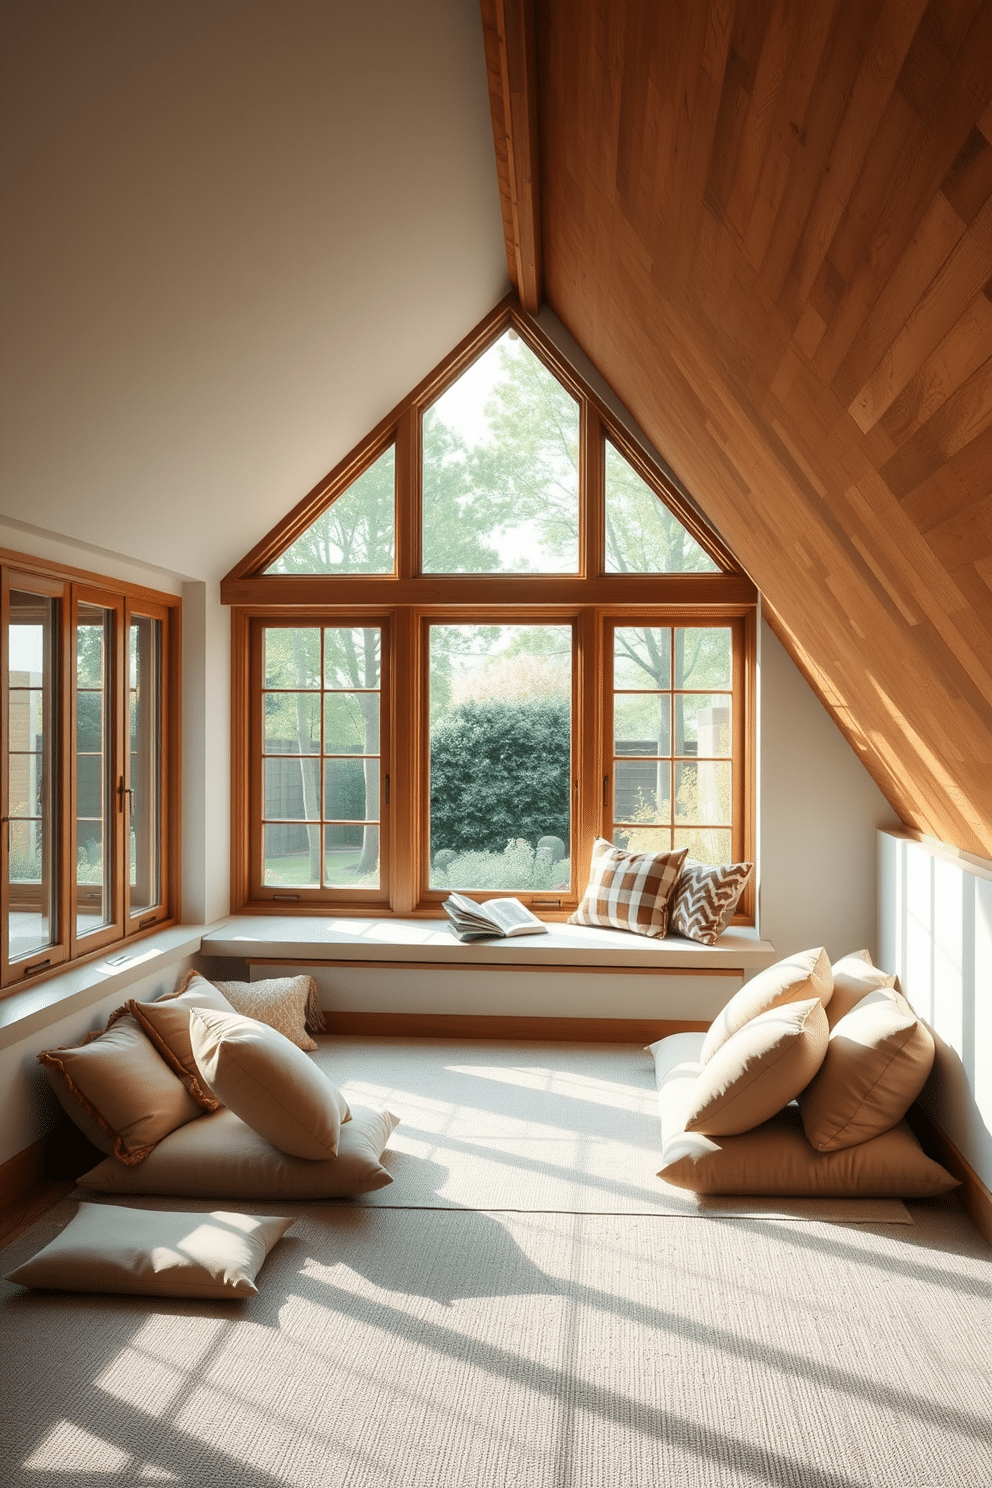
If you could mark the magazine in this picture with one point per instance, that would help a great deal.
(473, 921)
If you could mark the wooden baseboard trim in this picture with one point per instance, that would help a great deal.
(22, 1172)
(975, 1197)
(469, 1026)
(504, 969)
(63, 1153)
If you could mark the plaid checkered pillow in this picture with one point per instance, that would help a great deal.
(629, 891)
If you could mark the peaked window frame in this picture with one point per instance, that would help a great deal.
(408, 600)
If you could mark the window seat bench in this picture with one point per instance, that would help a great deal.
(412, 976)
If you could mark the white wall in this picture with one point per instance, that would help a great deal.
(206, 749)
(818, 813)
(935, 933)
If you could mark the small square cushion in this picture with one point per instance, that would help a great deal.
(166, 1025)
(877, 1062)
(705, 898)
(794, 979)
(854, 977)
(287, 1004)
(760, 1069)
(118, 1089)
(629, 891)
(109, 1249)
(268, 1082)
(220, 1157)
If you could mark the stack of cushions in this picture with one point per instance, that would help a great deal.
(729, 1122)
(652, 893)
(188, 1096)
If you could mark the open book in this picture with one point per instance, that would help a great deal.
(472, 921)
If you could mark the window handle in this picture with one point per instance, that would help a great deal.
(125, 792)
(606, 790)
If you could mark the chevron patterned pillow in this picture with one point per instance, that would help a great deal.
(705, 897)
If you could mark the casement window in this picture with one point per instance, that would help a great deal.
(89, 751)
(495, 632)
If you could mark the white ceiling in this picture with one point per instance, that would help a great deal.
(237, 232)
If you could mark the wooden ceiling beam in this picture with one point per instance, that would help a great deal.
(511, 63)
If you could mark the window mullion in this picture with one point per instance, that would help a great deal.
(408, 495)
(408, 775)
(591, 492)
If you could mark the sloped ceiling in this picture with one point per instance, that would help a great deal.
(769, 225)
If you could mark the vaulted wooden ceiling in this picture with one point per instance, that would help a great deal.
(769, 225)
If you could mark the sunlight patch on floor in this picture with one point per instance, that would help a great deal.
(69, 1449)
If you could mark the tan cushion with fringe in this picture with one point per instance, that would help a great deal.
(220, 1157)
(271, 1084)
(762, 1067)
(794, 979)
(877, 1062)
(166, 1024)
(106, 1248)
(128, 1094)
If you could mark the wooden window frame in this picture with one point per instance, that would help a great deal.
(409, 600)
(72, 587)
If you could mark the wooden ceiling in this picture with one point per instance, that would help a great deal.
(769, 225)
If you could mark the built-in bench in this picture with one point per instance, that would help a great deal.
(410, 977)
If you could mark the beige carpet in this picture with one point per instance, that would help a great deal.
(458, 1349)
(568, 1129)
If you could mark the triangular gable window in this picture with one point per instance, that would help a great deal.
(642, 535)
(501, 468)
(355, 534)
(488, 560)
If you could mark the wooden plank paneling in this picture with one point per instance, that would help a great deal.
(509, 34)
(795, 305)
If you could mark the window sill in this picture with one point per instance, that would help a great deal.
(39, 1004)
(425, 942)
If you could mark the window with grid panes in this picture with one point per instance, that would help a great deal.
(493, 633)
(89, 765)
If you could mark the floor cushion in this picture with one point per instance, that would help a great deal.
(220, 1157)
(106, 1248)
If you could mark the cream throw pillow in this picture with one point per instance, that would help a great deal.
(794, 979)
(118, 1089)
(166, 1025)
(284, 1003)
(109, 1249)
(268, 1082)
(877, 1062)
(760, 1069)
(854, 977)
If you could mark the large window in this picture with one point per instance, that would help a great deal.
(495, 632)
(89, 845)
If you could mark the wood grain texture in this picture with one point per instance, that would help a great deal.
(509, 35)
(768, 227)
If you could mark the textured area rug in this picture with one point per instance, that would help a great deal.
(432, 1348)
(558, 1128)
